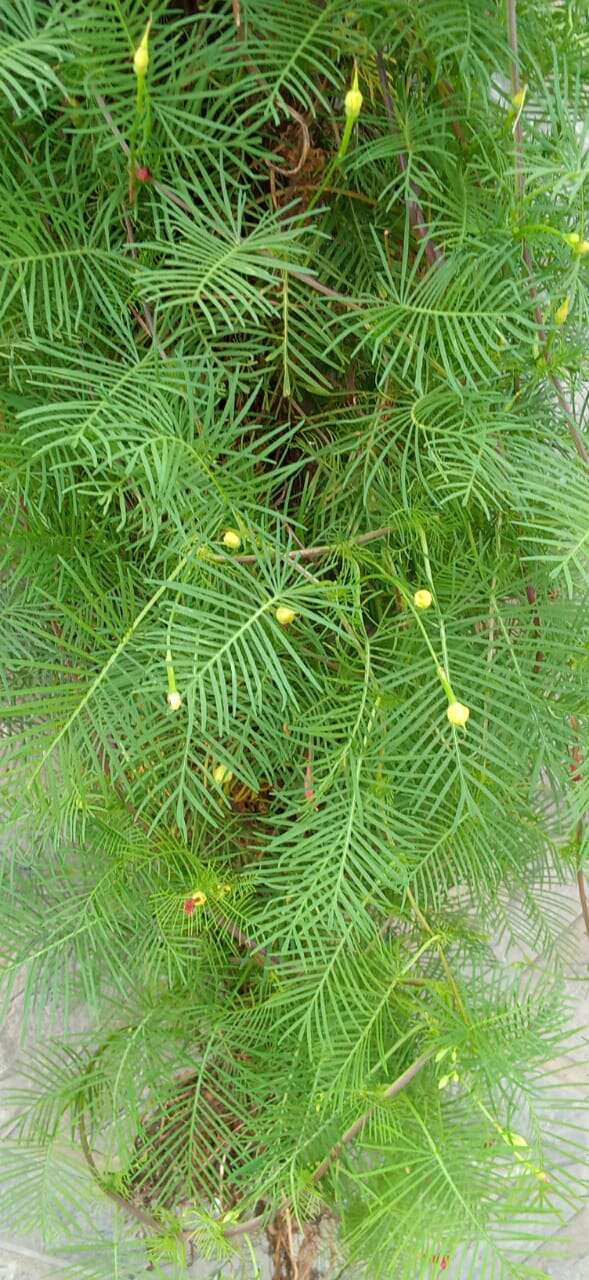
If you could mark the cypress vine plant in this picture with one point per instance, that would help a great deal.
(295, 511)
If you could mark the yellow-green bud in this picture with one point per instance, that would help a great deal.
(141, 55)
(520, 97)
(574, 239)
(284, 615)
(422, 599)
(458, 714)
(561, 313)
(222, 774)
(513, 1139)
(232, 539)
(353, 99)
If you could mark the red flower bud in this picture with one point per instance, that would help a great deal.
(577, 755)
(189, 905)
(142, 173)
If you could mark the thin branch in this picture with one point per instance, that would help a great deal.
(442, 954)
(318, 285)
(582, 887)
(356, 1128)
(402, 1081)
(113, 127)
(312, 553)
(416, 215)
(134, 1210)
(569, 413)
(147, 320)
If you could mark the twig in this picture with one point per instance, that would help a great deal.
(311, 553)
(532, 596)
(568, 411)
(251, 1224)
(416, 215)
(259, 953)
(113, 127)
(291, 1248)
(147, 321)
(136, 1212)
(319, 287)
(356, 1128)
(583, 893)
(442, 954)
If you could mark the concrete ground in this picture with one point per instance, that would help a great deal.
(564, 1254)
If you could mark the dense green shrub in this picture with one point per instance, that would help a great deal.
(294, 303)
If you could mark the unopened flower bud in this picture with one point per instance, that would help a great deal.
(143, 173)
(232, 539)
(284, 615)
(573, 238)
(561, 313)
(141, 55)
(458, 714)
(222, 774)
(513, 1139)
(174, 700)
(519, 97)
(583, 247)
(422, 599)
(353, 100)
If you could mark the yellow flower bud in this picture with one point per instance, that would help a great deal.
(422, 599)
(513, 1139)
(519, 97)
(457, 713)
(284, 615)
(174, 700)
(222, 774)
(560, 315)
(232, 539)
(353, 99)
(141, 55)
(575, 241)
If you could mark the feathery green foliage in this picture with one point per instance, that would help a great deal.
(245, 836)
